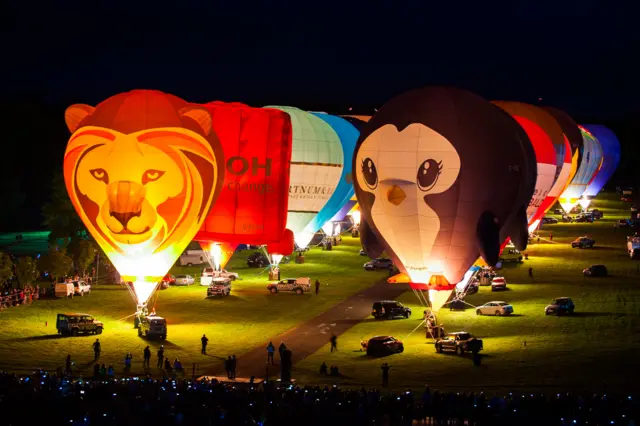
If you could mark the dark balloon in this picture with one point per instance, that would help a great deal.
(440, 173)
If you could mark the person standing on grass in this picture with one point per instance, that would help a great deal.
(146, 357)
(317, 286)
(385, 374)
(160, 356)
(96, 350)
(204, 341)
(281, 349)
(227, 367)
(234, 365)
(270, 350)
(531, 273)
(67, 365)
(550, 236)
(334, 343)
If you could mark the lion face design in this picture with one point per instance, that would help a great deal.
(142, 195)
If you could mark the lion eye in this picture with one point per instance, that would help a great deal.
(428, 174)
(100, 174)
(151, 175)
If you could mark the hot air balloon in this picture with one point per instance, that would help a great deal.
(252, 205)
(439, 173)
(574, 137)
(317, 160)
(142, 169)
(348, 135)
(544, 133)
(611, 157)
(588, 167)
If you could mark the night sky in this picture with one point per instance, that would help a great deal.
(581, 56)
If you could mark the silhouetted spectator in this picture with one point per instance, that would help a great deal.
(385, 374)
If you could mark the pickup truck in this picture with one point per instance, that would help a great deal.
(459, 342)
(297, 285)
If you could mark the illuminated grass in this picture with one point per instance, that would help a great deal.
(233, 324)
(596, 348)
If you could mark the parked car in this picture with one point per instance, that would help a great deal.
(184, 280)
(459, 342)
(390, 309)
(209, 273)
(597, 214)
(74, 324)
(296, 285)
(377, 264)
(546, 220)
(567, 219)
(163, 285)
(583, 242)
(558, 211)
(191, 257)
(219, 286)
(584, 218)
(384, 345)
(495, 308)
(595, 271)
(169, 279)
(510, 254)
(153, 326)
(559, 306)
(80, 288)
(257, 259)
(498, 284)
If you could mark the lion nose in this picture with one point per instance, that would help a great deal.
(125, 200)
(396, 195)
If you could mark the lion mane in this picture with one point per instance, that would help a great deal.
(142, 170)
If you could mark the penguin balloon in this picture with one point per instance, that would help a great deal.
(440, 173)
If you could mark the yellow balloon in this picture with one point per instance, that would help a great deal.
(142, 170)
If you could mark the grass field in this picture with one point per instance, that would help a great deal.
(233, 324)
(596, 348)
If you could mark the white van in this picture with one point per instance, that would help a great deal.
(192, 257)
(64, 290)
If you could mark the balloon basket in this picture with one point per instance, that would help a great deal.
(300, 259)
(274, 275)
(355, 233)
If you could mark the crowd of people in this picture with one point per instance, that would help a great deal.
(10, 297)
(60, 400)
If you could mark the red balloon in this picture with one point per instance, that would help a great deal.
(252, 206)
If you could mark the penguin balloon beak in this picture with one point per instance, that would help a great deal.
(396, 195)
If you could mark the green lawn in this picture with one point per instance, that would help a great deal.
(596, 348)
(233, 324)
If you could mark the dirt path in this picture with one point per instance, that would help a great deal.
(307, 338)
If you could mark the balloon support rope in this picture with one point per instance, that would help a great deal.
(127, 317)
(417, 327)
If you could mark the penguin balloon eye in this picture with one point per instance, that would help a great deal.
(370, 173)
(428, 174)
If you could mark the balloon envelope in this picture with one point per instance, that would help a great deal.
(588, 167)
(142, 170)
(252, 206)
(611, 157)
(426, 178)
(348, 135)
(317, 160)
(544, 133)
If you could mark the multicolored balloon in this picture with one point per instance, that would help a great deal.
(142, 170)
(317, 160)
(611, 157)
(348, 135)
(433, 193)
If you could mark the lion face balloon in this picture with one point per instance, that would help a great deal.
(142, 170)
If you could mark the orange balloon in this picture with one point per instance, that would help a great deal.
(142, 170)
